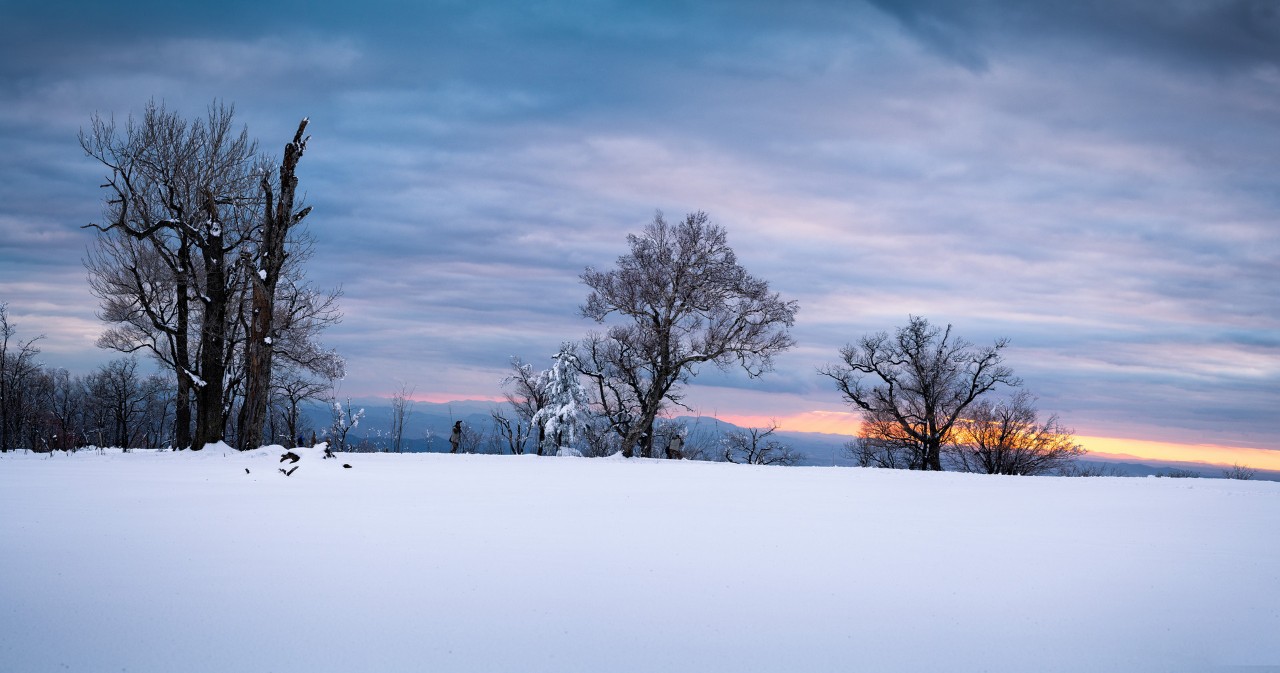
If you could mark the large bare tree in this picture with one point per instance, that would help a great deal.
(293, 386)
(181, 198)
(684, 301)
(279, 217)
(915, 385)
(198, 262)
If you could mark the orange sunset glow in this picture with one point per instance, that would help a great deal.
(1113, 447)
(847, 423)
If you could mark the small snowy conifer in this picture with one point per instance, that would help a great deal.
(567, 403)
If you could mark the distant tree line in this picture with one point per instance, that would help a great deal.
(45, 408)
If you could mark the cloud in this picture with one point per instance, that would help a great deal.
(941, 27)
(1216, 35)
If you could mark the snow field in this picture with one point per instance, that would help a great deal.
(162, 561)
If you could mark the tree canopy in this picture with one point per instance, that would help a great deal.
(684, 300)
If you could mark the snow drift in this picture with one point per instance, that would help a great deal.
(160, 561)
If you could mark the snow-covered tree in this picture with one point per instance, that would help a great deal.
(343, 420)
(566, 403)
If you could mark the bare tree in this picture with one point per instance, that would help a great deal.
(495, 441)
(1007, 437)
(342, 420)
(114, 405)
(685, 301)
(756, 446)
(512, 434)
(293, 388)
(17, 367)
(118, 387)
(278, 218)
(197, 262)
(921, 380)
(183, 194)
(527, 397)
(401, 410)
(44, 425)
(65, 405)
(155, 426)
(1238, 471)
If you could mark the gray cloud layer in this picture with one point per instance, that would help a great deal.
(1093, 180)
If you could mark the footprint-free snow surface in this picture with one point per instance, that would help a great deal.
(183, 562)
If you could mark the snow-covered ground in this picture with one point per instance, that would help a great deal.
(169, 562)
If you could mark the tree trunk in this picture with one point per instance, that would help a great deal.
(4, 403)
(257, 369)
(182, 363)
(632, 437)
(5, 400)
(933, 455)
(210, 423)
(258, 349)
(291, 419)
(642, 432)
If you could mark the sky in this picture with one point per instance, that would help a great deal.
(1095, 181)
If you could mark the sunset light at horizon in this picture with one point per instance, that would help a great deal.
(1119, 448)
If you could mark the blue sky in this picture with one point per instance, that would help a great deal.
(1095, 181)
